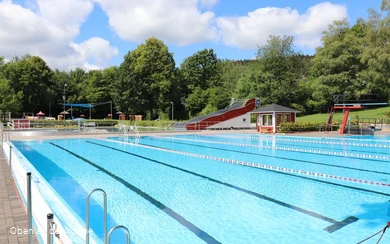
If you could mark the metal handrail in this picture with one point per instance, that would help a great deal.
(120, 227)
(105, 215)
(127, 128)
(29, 209)
(136, 131)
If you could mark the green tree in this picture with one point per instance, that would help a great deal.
(145, 79)
(153, 66)
(241, 78)
(336, 65)
(32, 76)
(280, 71)
(76, 86)
(1, 66)
(11, 101)
(376, 53)
(197, 101)
(201, 72)
(126, 90)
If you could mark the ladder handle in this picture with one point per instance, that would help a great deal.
(119, 227)
(105, 215)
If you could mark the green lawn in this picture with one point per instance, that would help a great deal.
(363, 113)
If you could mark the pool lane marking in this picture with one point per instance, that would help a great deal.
(269, 156)
(332, 228)
(289, 143)
(302, 140)
(322, 152)
(324, 138)
(275, 169)
(194, 229)
(313, 174)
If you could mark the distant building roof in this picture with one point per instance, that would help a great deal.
(275, 108)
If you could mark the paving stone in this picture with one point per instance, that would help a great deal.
(12, 214)
(13, 239)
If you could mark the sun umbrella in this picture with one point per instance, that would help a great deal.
(64, 112)
(40, 113)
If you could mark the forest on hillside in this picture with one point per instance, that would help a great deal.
(353, 59)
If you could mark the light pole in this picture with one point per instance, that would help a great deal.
(64, 97)
(172, 110)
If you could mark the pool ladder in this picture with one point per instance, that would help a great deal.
(131, 128)
(106, 237)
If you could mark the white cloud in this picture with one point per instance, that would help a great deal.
(48, 30)
(208, 3)
(96, 48)
(67, 14)
(174, 21)
(48, 27)
(247, 32)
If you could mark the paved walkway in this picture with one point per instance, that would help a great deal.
(12, 214)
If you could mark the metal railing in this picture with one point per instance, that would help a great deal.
(106, 237)
(104, 215)
(65, 125)
(120, 227)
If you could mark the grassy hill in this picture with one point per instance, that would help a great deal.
(363, 113)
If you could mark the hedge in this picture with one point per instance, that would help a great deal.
(304, 126)
(148, 123)
(69, 123)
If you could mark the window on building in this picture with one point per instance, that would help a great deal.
(287, 118)
(267, 119)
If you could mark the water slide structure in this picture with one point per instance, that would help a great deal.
(235, 109)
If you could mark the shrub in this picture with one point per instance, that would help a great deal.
(68, 123)
(304, 126)
(148, 123)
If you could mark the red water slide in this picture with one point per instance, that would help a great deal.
(221, 115)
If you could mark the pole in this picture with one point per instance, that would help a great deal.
(172, 111)
(49, 232)
(112, 116)
(29, 209)
(64, 97)
(10, 163)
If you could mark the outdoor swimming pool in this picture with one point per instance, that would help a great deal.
(227, 188)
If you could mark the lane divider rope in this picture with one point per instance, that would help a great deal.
(346, 154)
(307, 141)
(253, 165)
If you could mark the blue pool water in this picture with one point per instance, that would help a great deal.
(178, 189)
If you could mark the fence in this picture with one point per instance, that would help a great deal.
(71, 125)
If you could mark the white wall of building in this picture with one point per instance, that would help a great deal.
(243, 121)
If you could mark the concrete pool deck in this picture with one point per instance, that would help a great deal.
(12, 213)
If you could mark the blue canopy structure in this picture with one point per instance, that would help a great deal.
(84, 105)
(81, 105)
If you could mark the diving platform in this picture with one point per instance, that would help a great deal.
(361, 105)
(350, 102)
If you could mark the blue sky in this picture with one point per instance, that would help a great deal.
(98, 33)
